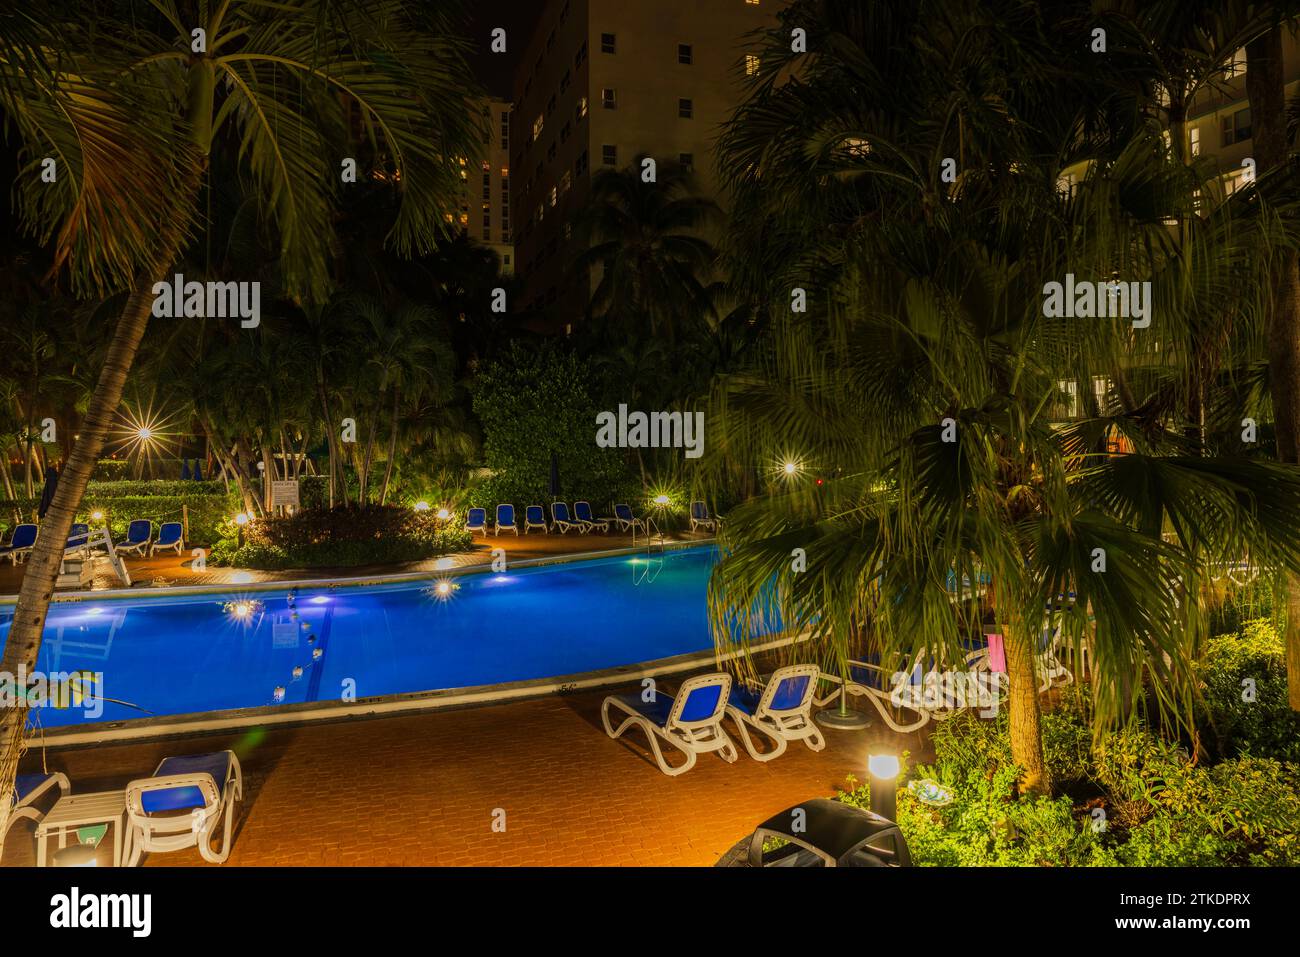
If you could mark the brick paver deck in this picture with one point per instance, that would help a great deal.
(422, 790)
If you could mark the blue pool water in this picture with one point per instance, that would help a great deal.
(189, 654)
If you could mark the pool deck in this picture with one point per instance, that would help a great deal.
(423, 790)
(174, 570)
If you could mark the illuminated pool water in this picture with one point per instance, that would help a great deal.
(215, 652)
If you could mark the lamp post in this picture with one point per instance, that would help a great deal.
(883, 771)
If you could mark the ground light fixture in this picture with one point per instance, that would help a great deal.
(883, 770)
(241, 518)
(661, 500)
(422, 506)
(443, 514)
(96, 516)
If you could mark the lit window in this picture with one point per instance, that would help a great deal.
(685, 108)
(609, 98)
(566, 181)
(581, 108)
(537, 125)
(1237, 65)
(751, 64)
(554, 195)
(1194, 138)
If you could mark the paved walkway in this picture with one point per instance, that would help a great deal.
(423, 789)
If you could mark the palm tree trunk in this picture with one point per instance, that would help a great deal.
(24, 641)
(1266, 91)
(1025, 718)
(337, 475)
(369, 457)
(392, 448)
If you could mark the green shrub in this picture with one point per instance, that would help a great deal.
(341, 537)
(1244, 675)
(535, 403)
(208, 511)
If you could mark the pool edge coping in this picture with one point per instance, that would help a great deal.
(410, 702)
(117, 594)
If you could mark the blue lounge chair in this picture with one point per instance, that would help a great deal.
(561, 521)
(20, 546)
(582, 512)
(700, 518)
(170, 535)
(138, 534)
(505, 520)
(206, 785)
(28, 789)
(534, 517)
(690, 722)
(78, 539)
(476, 521)
(626, 520)
(782, 711)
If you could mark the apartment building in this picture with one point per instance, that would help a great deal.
(485, 212)
(601, 82)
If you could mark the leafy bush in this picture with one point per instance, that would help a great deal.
(377, 534)
(1160, 808)
(125, 501)
(535, 403)
(1246, 695)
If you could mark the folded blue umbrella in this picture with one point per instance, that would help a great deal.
(185, 469)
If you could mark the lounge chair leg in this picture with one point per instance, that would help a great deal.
(778, 747)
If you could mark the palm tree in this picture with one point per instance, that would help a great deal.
(647, 241)
(129, 104)
(921, 385)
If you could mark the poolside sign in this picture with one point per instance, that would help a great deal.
(284, 493)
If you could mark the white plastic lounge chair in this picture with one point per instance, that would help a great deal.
(505, 520)
(476, 521)
(916, 689)
(138, 535)
(78, 542)
(700, 518)
(582, 512)
(561, 522)
(782, 711)
(534, 517)
(183, 804)
(20, 546)
(626, 520)
(28, 789)
(170, 535)
(691, 722)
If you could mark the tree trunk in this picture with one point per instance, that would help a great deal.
(1265, 88)
(1025, 717)
(337, 474)
(369, 457)
(24, 641)
(392, 448)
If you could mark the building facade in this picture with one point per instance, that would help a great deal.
(485, 212)
(601, 82)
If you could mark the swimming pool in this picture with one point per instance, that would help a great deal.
(196, 654)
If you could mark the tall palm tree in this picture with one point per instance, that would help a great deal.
(648, 241)
(920, 386)
(128, 103)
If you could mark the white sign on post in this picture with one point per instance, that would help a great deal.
(284, 493)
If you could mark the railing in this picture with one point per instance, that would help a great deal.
(652, 540)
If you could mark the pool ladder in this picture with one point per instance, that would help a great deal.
(652, 540)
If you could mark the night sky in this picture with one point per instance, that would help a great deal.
(518, 17)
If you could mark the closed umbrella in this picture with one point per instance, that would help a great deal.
(198, 470)
(185, 469)
(47, 494)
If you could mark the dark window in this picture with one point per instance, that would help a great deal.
(580, 55)
(582, 163)
(684, 54)
(687, 160)
(607, 41)
(609, 155)
(685, 108)
(1236, 127)
(609, 98)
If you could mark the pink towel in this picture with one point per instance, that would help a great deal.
(997, 654)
